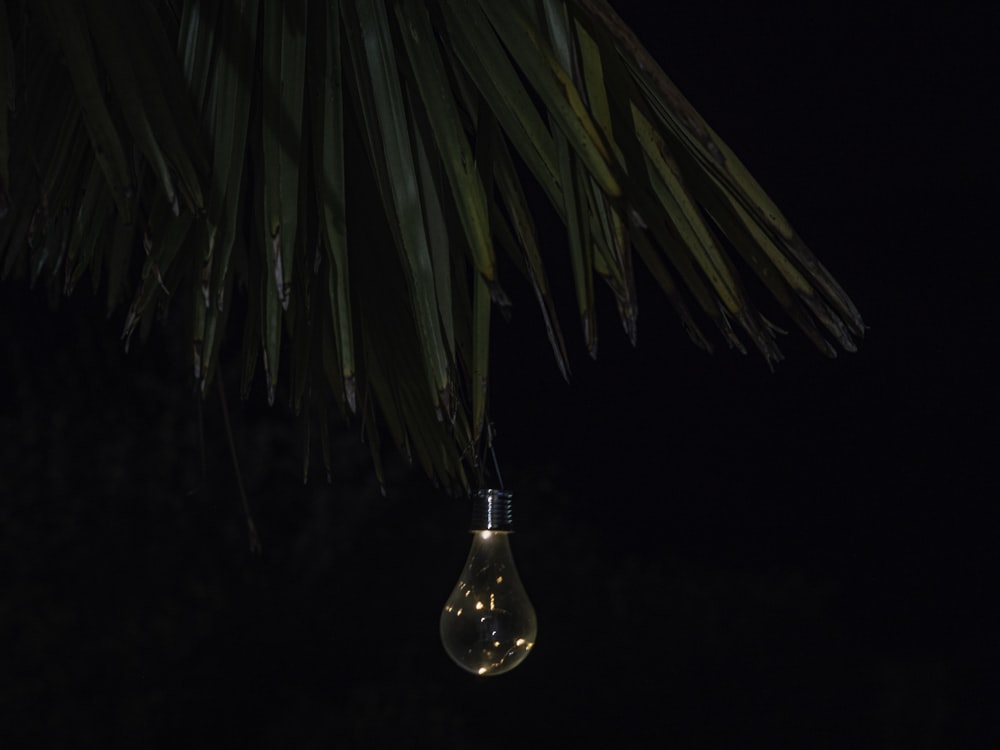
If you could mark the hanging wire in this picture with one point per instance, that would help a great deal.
(493, 453)
(255, 545)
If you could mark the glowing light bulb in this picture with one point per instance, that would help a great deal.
(488, 624)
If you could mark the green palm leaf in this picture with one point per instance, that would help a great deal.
(348, 178)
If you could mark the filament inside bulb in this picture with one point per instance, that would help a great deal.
(498, 630)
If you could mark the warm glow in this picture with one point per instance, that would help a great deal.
(488, 623)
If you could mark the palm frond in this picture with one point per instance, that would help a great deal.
(347, 176)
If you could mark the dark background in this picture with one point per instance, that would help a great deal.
(718, 554)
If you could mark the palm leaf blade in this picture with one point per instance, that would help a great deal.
(7, 88)
(383, 110)
(486, 63)
(429, 72)
(70, 29)
(327, 106)
(556, 87)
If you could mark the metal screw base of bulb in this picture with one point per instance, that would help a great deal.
(492, 510)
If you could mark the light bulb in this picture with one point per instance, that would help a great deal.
(488, 625)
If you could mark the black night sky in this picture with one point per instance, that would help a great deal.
(720, 556)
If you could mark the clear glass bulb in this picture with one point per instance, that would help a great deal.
(488, 624)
